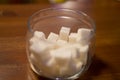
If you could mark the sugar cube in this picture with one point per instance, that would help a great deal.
(33, 40)
(39, 35)
(62, 55)
(73, 37)
(51, 62)
(41, 46)
(83, 36)
(61, 43)
(84, 53)
(79, 66)
(64, 33)
(53, 37)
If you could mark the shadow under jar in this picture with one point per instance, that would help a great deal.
(60, 59)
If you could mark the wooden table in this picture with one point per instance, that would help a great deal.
(13, 27)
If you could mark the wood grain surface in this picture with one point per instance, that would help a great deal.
(13, 27)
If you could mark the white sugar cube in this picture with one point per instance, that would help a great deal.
(61, 43)
(61, 55)
(41, 55)
(39, 35)
(83, 36)
(69, 69)
(84, 49)
(84, 53)
(72, 37)
(76, 54)
(51, 62)
(33, 59)
(35, 62)
(64, 71)
(40, 64)
(52, 70)
(79, 66)
(41, 46)
(84, 32)
(35, 48)
(81, 53)
(64, 33)
(33, 40)
(53, 37)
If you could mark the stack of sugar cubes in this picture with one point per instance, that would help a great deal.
(60, 55)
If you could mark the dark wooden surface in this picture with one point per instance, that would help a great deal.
(13, 27)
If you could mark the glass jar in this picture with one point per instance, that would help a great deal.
(51, 20)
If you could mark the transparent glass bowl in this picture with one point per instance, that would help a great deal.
(51, 20)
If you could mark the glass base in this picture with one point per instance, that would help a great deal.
(39, 73)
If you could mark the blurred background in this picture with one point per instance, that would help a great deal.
(10, 9)
(34, 1)
(22, 1)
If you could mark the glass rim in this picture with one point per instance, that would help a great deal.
(78, 12)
